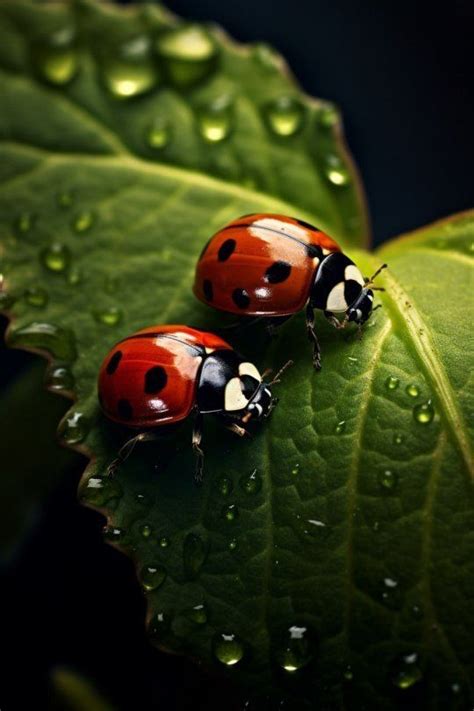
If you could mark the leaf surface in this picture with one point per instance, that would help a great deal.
(349, 515)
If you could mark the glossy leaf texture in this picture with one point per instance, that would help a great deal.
(330, 557)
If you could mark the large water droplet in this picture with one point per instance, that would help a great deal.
(99, 490)
(164, 542)
(74, 428)
(224, 485)
(36, 296)
(194, 555)
(131, 70)
(110, 316)
(197, 614)
(406, 671)
(424, 413)
(56, 258)
(57, 58)
(284, 116)
(412, 390)
(152, 577)
(158, 134)
(388, 479)
(392, 383)
(340, 428)
(60, 378)
(295, 648)
(215, 119)
(251, 483)
(83, 221)
(60, 342)
(296, 470)
(113, 534)
(189, 54)
(230, 512)
(336, 172)
(228, 648)
(146, 530)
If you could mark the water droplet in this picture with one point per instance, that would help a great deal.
(266, 57)
(111, 316)
(340, 428)
(131, 70)
(230, 512)
(159, 624)
(327, 116)
(197, 614)
(24, 223)
(83, 221)
(336, 172)
(406, 671)
(74, 428)
(158, 134)
(352, 360)
(284, 115)
(36, 296)
(164, 542)
(417, 612)
(215, 120)
(6, 300)
(295, 649)
(456, 687)
(57, 58)
(424, 413)
(224, 485)
(296, 470)
(194, 555)
(74, 276)
(60, 378)
(141, 499)
(391, 594)
(113, 534)
(388, 479)
(56, 257)
(251, 483)
(60, 342)
(65, 198)
(152, 577)
(412, 390)
(188, 52)
(146, 530)
(348, 673)
(99, 490)
(228, 648)
(397, 439)
(392, 383)
(233, 544)
(315, 528)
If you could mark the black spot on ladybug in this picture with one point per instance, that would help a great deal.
(207, 289)
(351, 291)
(155, 379)
(240, 298)
(278, 272)
(314, 251)
(307, 225)
(124, 409)
(226, 249)
(113, 363)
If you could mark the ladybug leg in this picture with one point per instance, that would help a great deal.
(334, 321)
(313, 337)
(197, 437)
(126, 450)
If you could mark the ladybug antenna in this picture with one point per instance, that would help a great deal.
(277, 378)
(370, 282)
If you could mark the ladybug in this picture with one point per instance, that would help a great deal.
(273, 266)
(163, 374)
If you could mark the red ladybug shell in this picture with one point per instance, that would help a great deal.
(150, 378)
(261, 264)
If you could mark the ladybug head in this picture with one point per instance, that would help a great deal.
(361, 308)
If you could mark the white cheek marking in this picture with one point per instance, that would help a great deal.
(234, 399)
(326, 251)
(259, 409)
(250, 369)
(286, 228)
(210, 350)
(351, 272)
(369, 296)
(358, 314)
(336, 301)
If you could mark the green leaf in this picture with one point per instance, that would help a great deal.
(349, 514)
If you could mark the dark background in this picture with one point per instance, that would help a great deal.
(402, 75)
